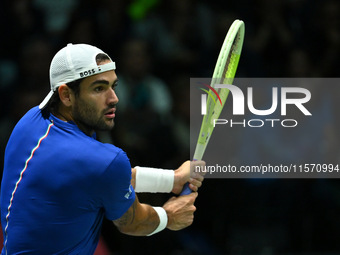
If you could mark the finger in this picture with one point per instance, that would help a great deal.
(193, 196)
(198, 167)
(193, 187)
(194, 208)
(191, 210)
(195, 182)
(199, 162)
(197, 176)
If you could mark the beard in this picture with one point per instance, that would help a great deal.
(89, 118)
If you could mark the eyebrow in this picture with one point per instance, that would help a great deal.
(103, 82)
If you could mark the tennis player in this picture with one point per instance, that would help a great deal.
(59, 182)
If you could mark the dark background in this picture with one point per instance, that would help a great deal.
(157, 47)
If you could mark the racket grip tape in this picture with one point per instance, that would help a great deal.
(186, 190)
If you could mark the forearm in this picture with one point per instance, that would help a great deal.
(142, 219)
(145, 179)
(139, 220)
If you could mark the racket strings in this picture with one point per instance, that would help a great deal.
(232, 61)
(224, 73)
(230, 68)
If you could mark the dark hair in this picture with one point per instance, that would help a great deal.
(53, 104)
(101, 58)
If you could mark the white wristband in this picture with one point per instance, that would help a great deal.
(154, 179)
(163, 220)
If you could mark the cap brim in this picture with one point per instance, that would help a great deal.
(46, 99)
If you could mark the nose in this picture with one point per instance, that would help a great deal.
(112, 97)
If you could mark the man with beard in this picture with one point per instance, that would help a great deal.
(59, 182)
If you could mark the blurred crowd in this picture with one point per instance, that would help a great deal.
(158, 45)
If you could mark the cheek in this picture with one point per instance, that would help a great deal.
(91, 104)
(92, 100)
(82, 104)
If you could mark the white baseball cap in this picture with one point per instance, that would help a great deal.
(74, 62)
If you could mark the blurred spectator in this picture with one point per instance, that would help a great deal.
(20, 20)
(326, 41)
(56, 14)
(272, 38)
(144, 108)
(180, 120)
(36, 55)
(83, 28)
(181, 35)
(114, 25)
(135, 76)
(299, 16)
(299, 64)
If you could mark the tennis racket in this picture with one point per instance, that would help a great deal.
(224, 73)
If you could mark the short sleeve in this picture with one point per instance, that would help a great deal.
(117, 194)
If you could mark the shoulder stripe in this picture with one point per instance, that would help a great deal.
(19, 180)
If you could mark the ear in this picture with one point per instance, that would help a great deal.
(65, 95)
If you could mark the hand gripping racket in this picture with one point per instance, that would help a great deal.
(224, 73)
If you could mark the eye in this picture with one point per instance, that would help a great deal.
(114, 85)
(98, 89)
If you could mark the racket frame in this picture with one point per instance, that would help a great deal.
(224, 73)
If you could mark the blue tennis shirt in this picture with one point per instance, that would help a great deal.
(58, 184)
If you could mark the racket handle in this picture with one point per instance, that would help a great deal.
(186, 190)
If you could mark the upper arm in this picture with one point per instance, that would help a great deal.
(128, 217)
(133, 177)
(116, 193)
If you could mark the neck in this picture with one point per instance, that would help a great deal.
(66, 115)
